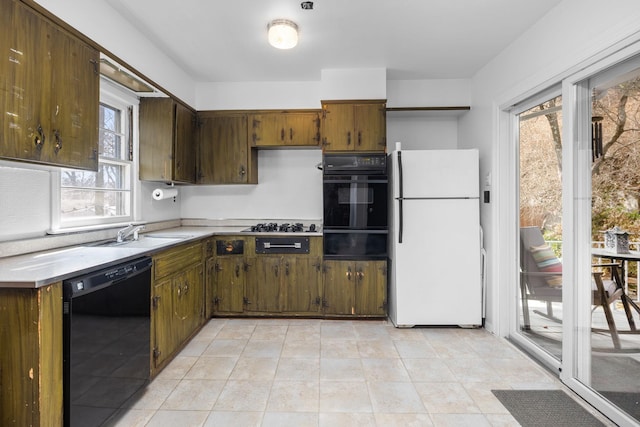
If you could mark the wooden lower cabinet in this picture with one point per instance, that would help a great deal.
(164, 335)
(262, 288)
(290, 284)
(302, 284)
(225, 284)
(177, 300)
(241, 282)
(31, 356)
(355, 288)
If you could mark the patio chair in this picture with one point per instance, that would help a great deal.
(541, 280)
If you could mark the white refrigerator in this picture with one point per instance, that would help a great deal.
(435, 238)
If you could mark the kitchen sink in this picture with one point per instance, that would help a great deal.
(143, 242)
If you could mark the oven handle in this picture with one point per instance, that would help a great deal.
(269, 245)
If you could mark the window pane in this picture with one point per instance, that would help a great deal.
(110, 144)
(109, 175)
(85, 204)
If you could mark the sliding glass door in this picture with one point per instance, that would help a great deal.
(539, 238)
(613, 366)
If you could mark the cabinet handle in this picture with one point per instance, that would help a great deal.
(348, 273)
(242, 171)
(359, 275)
(275, 270)
(286, 269)
(40, 138)
(179, 289)
(237, 270)
(291, 134)
(359, 138)
(58, 146)
(349, 138)
(95, 66)
(282, 134)
(217, 267)
(185, 290)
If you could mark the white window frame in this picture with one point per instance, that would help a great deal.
(114, 96)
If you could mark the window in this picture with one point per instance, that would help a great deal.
(106, 196)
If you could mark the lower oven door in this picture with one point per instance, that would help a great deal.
(355, 244)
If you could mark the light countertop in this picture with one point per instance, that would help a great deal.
(39, 269)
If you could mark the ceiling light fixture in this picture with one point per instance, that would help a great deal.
(283, 34)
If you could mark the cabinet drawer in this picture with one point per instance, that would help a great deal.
(176, 259)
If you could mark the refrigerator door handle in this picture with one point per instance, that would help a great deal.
(400, 184)
(400, 215)
(400, 196)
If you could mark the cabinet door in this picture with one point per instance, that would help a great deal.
(338, 127)
(262, 289)
(210, 287)
(225, 157)
(285, 129)
(302, 129)
(184, 145)
(267, 130)
(301, 284)
(339, 279)
(370, 127)
(25, 70)
(75, 98)
(164, 334)
(193, 298)
(371, 287)
(228, 284)
(156, 129)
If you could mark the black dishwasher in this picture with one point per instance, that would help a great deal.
(106, 339)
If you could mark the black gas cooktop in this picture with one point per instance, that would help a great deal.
(274, 227)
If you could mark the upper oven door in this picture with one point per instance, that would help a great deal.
(355, 202)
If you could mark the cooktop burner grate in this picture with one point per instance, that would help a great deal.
(274, 227)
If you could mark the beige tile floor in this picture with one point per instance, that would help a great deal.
(305, 372)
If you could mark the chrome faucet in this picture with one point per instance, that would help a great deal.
(128, 231)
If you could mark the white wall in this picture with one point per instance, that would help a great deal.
(568, 35)
(257, 95)
(421, 132)
(290, 187)
(24, 201)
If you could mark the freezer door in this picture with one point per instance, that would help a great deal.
(436, 173)
(436, 275)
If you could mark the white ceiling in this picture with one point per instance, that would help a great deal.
(226, 41)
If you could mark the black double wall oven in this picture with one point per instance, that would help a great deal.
(355, 192)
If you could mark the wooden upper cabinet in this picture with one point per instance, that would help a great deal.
(167, 141)
(300, 128)
(354, 126)
(49, 90)
(224, 155)
(185, 145)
